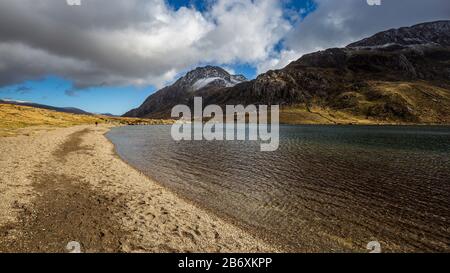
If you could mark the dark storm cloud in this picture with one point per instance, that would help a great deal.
(40, 36)
(133, 42)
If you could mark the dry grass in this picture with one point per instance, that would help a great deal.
(16, 119)
(425, 104)
(430, 103)
(301, 114)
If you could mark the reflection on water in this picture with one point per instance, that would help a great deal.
(327, 188)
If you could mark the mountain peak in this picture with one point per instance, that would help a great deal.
(437, 32)
(207, 76)
(200, 80)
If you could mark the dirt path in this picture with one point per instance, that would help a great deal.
(69, 186)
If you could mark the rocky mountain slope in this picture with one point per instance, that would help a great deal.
(202, 78)
(427, 33)
(397, 76)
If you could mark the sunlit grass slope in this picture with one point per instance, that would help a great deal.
(378, 102)
(13, 118)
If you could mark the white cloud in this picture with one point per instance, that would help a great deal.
(138, 42)
(282, 59)
(245, 31)
(230, 70)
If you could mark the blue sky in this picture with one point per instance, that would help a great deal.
(200, 5)
(109, 60)
(53, 90)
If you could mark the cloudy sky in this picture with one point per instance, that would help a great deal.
(109, 55)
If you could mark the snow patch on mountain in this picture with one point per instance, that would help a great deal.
(202, 83)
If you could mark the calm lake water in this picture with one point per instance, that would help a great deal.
(327, 188)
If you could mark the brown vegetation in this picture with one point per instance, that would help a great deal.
(16, 119)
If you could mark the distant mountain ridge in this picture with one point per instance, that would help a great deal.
(399, 76)
(70, 110)
(427, 33)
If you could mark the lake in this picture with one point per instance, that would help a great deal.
(326, 189)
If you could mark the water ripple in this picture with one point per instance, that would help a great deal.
(327, 188)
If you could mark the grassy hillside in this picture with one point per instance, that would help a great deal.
(377, 102)
(13, 118)
(301, 114)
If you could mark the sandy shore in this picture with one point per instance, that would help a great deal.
(68, 185)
